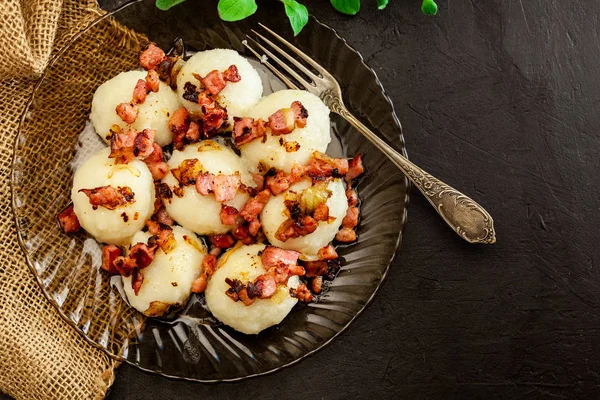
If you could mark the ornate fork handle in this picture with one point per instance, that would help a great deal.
(471, 221)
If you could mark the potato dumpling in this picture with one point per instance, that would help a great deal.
(118, 225)
(275, 151)
(236, 97)
(244, 263)
(154, 113)
(168, 279)
(194, 211)
(273, 215)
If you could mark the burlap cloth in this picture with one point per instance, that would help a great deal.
(41, 357)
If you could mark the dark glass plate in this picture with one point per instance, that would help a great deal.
(53, 140)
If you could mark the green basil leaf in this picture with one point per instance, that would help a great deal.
(297, 14)
(166, 4)
(235, 10)
(429, 7)
(350, 7)
(381, 4)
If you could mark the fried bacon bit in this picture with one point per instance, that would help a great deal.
(68, 221)
(180, 121)
(109, 255)
(143, 144)
(346, 235)
(142, 254)
(152, 81)
(275, 257)
(193, 133)
(214, 82)
(209, 264)
(127, 112)
(228, 214)
(127, 146)
(317, 285)
(205, 183)
(222, 241)
(151, 57)
(225, 186)
(190, 92)
(124, 265)
(264, 287)
(280, 182)
(109, 197)
(302, 293)
(259, 180)
(300, 114)
(316, 268)
(215, 251)
(199, 284)
(247, 129)
(290, 229)
(352, 197)
(321, 212)
(163, 191)
(214, 117)
(140, 92)
(242, 234)
(188, 172)
(231, 74)
(164, 218)
(137, 279)
(327, 253)
(158, 168)
(254, 227)
(254, 205)
(166, 239)
(322, 166)
(355, 168)
(351, 218)
(235, 286)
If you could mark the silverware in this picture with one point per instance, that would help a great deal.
(467, 218)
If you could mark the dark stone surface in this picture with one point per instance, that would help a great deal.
(500, 99)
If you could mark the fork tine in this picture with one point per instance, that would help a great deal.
(296, 50)
(281, 76)
(291, 59)
(281, 64)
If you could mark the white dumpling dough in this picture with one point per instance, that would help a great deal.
(154, 113)
(244, 263)
(315, 136)
(272, 216)
(168, 279)
(199, 213)
(236, 97)
(109, 226)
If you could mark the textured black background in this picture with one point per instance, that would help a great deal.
(500, 99)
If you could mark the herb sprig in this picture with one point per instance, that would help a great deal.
(235, 10)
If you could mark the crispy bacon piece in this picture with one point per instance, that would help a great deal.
(352, 197)
(327, 253)
(259, 180)
(282, 121)
(137, 279)
(215, 251)
(166, 239)
(317, 285)
(246, 129)
(151, 57)
(214, 82)
(209, 264)
(164, 218)
(193, 133)
(275, 257)
(355, 168)
(68, 221)
(190, 92)
(127, 146)
(231, 74)
(346, 235)
(124, 265)
(321, 212)
(225, 187)
(180, 121)
(144, 144)
(302, 293)
(322, 166)
(241, 232)
(109, 254)
(228, 214)
(205, 183)
(152, 81)
(254, 205)
(158, 168)
(351, 218)
(140, 91)
(153, 226)
(214, 116)
(188, 172)
(127, 112)
(316, 268)
(109, 197)
(290, 229)
(300, 114)
(280, 182)
(264, 287)
(222, 241)
(142, 254)
(199, 284)
(254, 227)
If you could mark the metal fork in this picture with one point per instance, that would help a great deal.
(467, 218)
